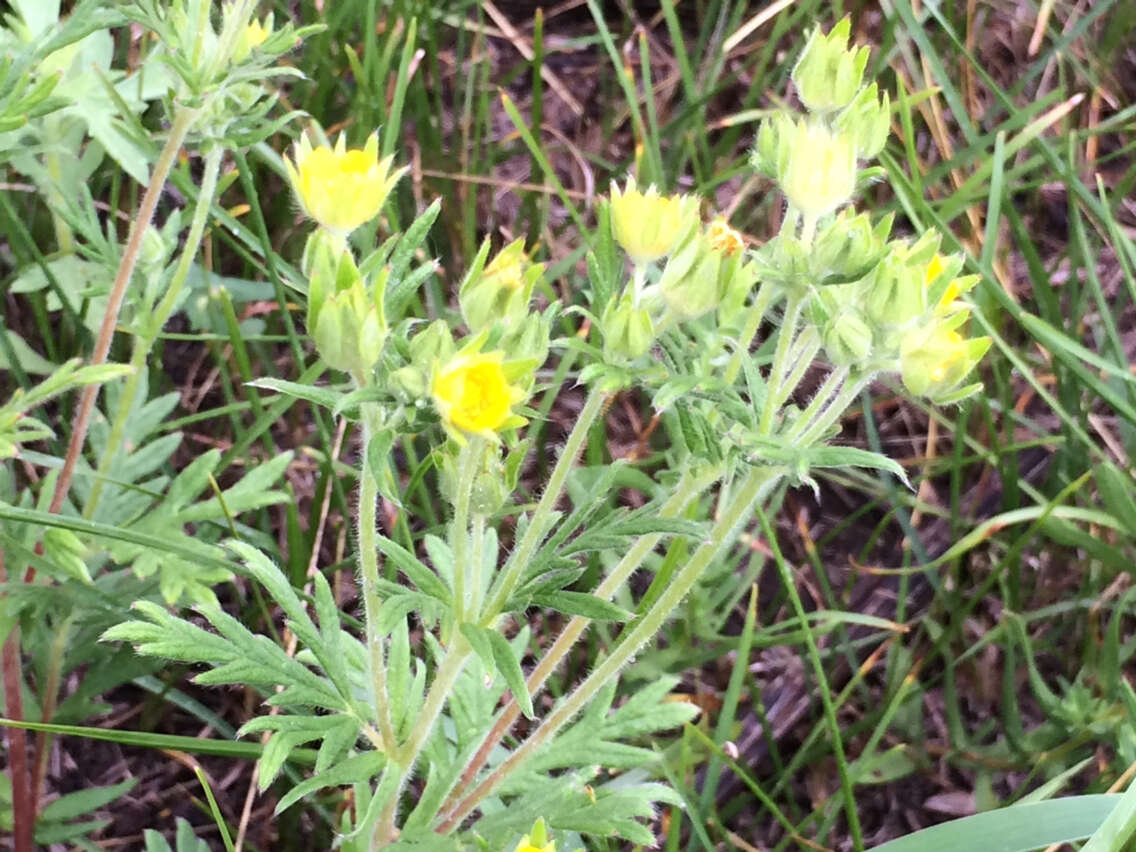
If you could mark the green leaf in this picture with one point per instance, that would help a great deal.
(315, 394)
(421, 576)
(360, 768)
(83, 802)
(579, 603)
(1019, 828)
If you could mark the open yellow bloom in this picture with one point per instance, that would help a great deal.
(649, 225)
(341, 188)
(472, 394)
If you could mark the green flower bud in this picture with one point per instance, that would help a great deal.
(528, 339)
(414, 383)
(64, 549)
(350, 330)
(828, 74)
(628, 332)
(503, 289)
(896, 293)
(689, 283)
(848, 339)
(868, 120)
(849, 247)
(820, 172)
(433, 344)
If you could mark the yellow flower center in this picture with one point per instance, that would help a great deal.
(723, 238)
(474, 396)
(255, 34)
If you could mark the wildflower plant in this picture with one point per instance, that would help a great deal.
(423, 730)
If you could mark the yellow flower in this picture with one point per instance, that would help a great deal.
(340, 188)
(820, 173)
(723, 238)
(255, 33)
(954, 289)
(649, 225)
(934, 361)
(473, 394)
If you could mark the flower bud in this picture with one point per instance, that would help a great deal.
(64, 549)
(628, 332)
(847, 339)
(895, 293)
(820, 173)
(647, 225)
(868, 120)
(350, 330)
(736, 279)
(253, 36)
(503, 289)
(529, 338)
(934, 362)
(689, 283)
(849, 247)
(828, 74)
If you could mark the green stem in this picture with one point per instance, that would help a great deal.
(834, 410)
(801, 358)
(477, 563)
(688, 487)
(833, 384)
(64, 237)
(754, 316)
(439, 692)
(756, 484)
(638, 279)
(542, 515)
(369, 573)
(846, 785)
(157, 319)
(459, 533)
(785, 338)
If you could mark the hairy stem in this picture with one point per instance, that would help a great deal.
(774, 392)
(757, 483)
(834, 410)
(459, 536)
(369, 574)
(687, 488)
(183, 120)
(833, 384)
(23, 811)
(542, 516)
(754, 316)
(156, 321)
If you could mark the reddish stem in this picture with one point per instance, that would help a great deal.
(23, 814)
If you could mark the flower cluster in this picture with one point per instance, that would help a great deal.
(704, 266)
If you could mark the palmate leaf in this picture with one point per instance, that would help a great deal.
(573, 803)
(597, 737)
